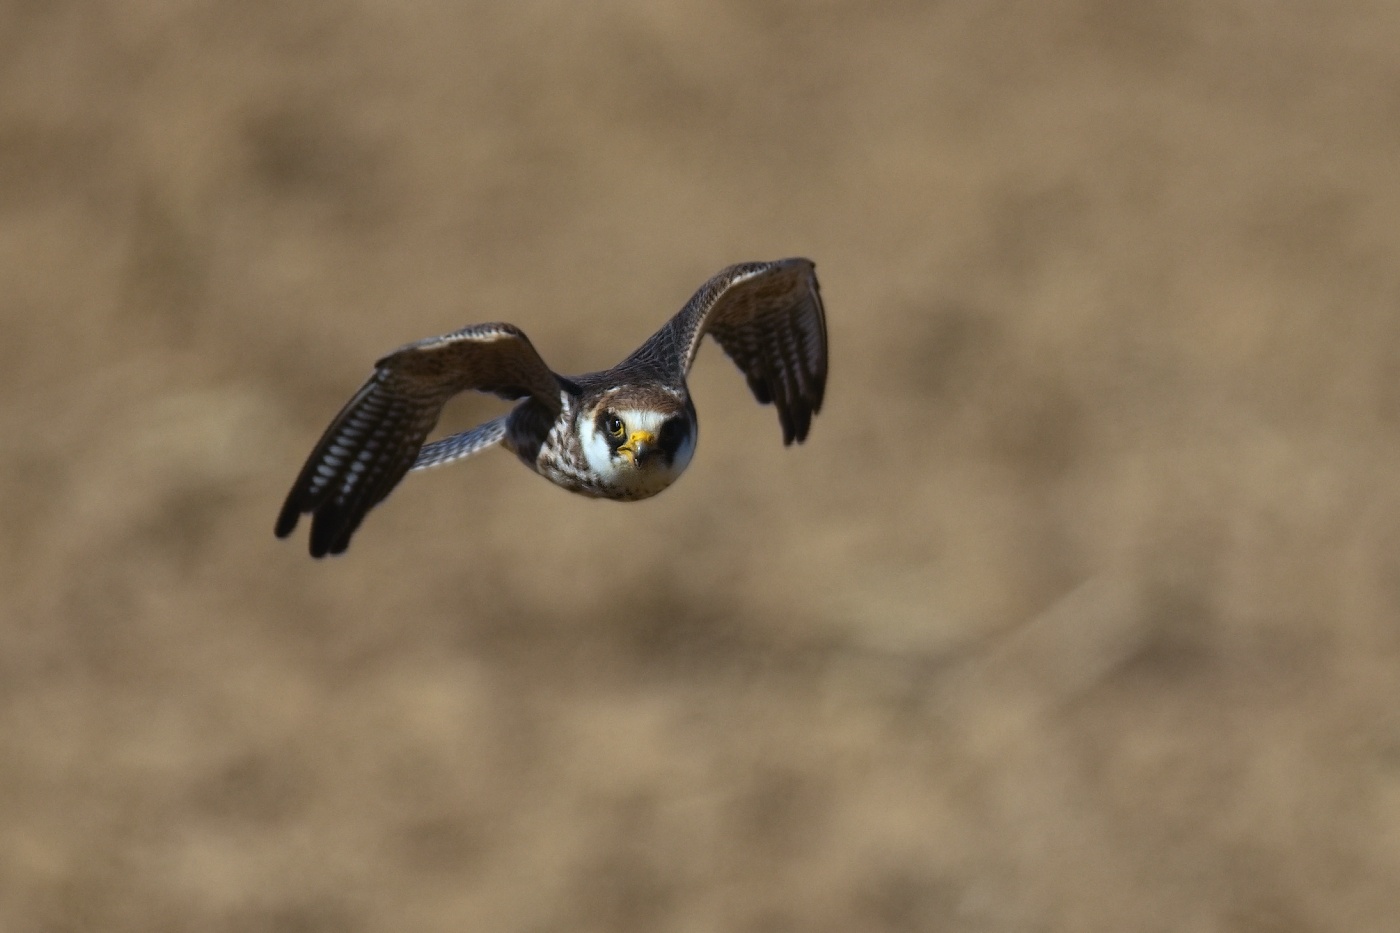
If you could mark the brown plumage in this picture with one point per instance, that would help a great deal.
(622, 433)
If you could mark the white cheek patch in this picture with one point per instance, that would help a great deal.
(597, 451)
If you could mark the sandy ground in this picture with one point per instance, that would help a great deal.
(1080, 610)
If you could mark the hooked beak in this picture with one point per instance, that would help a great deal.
(639, 445)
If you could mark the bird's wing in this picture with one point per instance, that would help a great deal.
(768, 317)
(463, 444)
(377, 436)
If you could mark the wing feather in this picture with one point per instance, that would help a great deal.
(461, 445)
(768, 318)
(377, 437)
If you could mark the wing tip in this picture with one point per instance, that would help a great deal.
(328, 523)
(290, 515)
(325, 525)
(285, 525)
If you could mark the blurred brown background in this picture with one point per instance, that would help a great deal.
(1080, 611)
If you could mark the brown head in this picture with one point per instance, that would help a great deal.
(637, 438)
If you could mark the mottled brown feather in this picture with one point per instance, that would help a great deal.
(378, 435)
(768, 318)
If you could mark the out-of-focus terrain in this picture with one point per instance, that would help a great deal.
(1079, 611)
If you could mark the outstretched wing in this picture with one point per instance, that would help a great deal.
(462, 444)
(377, 436)
(768, 317)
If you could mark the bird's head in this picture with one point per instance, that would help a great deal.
(638, 439)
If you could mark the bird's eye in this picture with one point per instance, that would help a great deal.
(613, 425)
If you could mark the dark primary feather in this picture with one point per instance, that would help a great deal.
(768, 318)
(379, 433)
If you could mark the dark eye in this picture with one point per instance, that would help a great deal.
(613, 425)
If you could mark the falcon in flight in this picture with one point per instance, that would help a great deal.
(623, 433)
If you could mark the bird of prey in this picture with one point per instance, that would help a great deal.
(623, 433)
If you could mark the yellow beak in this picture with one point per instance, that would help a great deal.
(638, 445)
